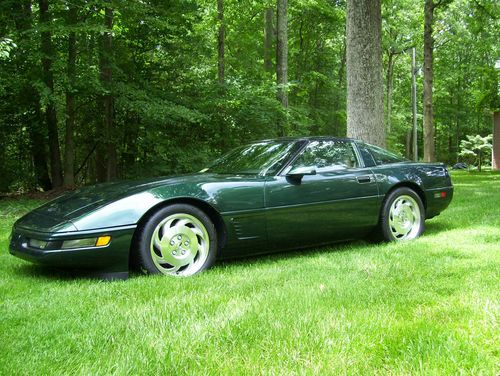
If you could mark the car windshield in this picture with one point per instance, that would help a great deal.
(265, 158)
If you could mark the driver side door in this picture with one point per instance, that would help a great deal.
(340, 201)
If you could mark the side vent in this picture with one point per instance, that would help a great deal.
(238, 229)
(245, 227)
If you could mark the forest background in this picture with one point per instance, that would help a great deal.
(94, 91)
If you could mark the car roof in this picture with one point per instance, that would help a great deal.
(312, 138)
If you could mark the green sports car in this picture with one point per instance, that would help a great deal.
(268, 196)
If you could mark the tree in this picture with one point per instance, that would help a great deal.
(429, 131)
(108, 171)
(221, 42)
(365, 95)
(474, 148)
(47, 50)
(69, 145)
(282, 58)
(269, 35)
(26, 97)
(495, 165)
(400, 21)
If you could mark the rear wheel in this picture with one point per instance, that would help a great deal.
(178, 240)
(403, 215)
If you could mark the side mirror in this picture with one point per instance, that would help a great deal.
(306, 170)
(298, 173)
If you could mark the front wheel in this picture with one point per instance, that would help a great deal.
(178, 240)
(403, 215)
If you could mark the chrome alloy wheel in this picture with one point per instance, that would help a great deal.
(405, 218)
(180, 245)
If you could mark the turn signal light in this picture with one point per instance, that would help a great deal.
(103, 241)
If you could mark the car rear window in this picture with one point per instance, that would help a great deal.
(373, 155)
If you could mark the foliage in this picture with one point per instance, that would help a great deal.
(6, 46)
(170, 114)
(476, 148)
(426, 307)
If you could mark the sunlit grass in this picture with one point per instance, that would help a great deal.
(426, 307)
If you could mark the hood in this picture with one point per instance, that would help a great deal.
(61, 213)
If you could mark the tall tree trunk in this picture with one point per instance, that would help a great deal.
(455, 147)
(429, 132)
(365, 86)
(495, 163)
(282, 59)
(29, 97)
(69, 147)
(389, 82)
(268, 39)
(408, 144)
(50, 111)
(108, 100)
(337, 122)
(221, 41)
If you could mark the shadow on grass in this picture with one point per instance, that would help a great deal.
(50, 273)
(432, 227)
(294, 254)
(59, 274)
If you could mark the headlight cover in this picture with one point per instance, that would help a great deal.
(79, 243)
(101, 241)
(39, 244)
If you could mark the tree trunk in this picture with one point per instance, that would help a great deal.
(221, 42)
(429, 132)
(48, 79)
(408, 145)
(495, 163)
(282, 59)
(268, 39)
(107, 101)
(336, 101)
(69, 147)
(28, 96)
(365, 87)
(389, 82)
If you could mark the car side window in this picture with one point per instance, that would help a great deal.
(327, 156)
(366, 155)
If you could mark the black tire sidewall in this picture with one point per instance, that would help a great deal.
(389, 200)
(144, 258)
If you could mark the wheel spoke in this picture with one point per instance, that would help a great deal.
(404, 218)
(179, 246)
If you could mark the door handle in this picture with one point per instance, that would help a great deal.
(364, 179)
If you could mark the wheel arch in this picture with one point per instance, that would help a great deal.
(208, 209)
(414, 187)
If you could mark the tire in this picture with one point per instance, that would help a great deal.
(402, 216)
(177, 240)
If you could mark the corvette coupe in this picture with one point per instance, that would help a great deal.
(268, 196)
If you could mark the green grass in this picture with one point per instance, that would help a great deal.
(426, 307)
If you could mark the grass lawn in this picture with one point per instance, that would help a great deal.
(426, 307)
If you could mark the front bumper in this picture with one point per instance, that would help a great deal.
(110, 259)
